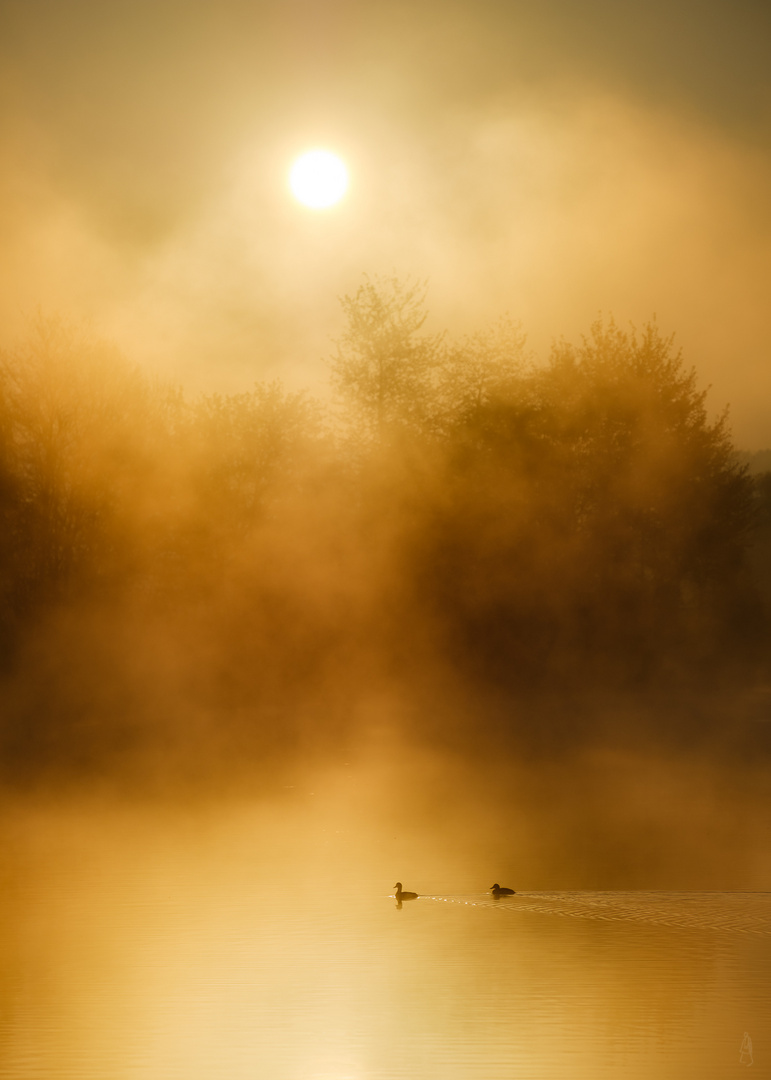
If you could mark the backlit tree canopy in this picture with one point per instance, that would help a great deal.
(384, 368)
(464, 517)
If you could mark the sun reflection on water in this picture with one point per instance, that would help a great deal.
(238, 945)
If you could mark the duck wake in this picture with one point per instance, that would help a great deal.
(745, 913)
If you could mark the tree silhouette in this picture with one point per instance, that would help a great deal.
(384, 368)
(590, 513)
(481, 367)
(73, 408)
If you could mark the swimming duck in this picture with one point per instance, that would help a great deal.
(404, 895)
(496, 890)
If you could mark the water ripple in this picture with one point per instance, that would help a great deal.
(744, 913)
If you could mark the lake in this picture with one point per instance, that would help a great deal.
(200, 945)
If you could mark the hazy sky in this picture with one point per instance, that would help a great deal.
(552, 160)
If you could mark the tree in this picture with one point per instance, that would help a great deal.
(591, 512)
(251, 449)
(480, 368)
(653, 468)
(384, 368)
(72, 418)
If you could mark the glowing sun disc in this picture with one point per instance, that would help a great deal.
(318, 179)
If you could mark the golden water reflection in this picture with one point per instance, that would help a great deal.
(240, 945)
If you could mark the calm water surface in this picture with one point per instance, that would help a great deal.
(131, 956)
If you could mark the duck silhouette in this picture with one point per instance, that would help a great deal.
(403, 895)
(497, 891)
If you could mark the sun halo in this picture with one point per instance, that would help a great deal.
(318, 179)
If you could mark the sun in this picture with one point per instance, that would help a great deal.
(318, 179)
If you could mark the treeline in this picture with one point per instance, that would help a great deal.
(461, 525)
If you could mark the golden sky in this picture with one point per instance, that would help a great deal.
(552, 160)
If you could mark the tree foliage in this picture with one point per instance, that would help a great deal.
(597, 514)
(383, 366)
(489, 523)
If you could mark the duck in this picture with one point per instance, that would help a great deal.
(497, 890)
(404, 895)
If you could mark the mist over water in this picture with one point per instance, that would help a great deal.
(261, 934)
(300, 598)
(468, 553)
